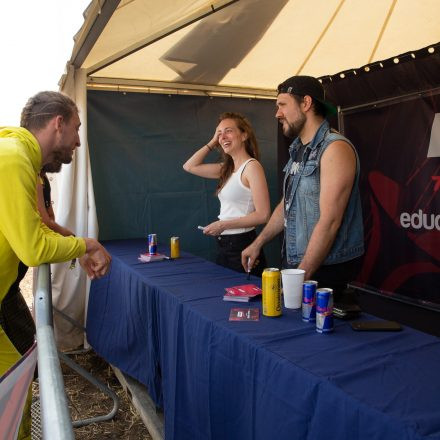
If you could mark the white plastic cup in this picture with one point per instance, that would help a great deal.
(293, 280)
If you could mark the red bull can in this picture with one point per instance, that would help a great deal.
(309, 301)
(324, 310)
(152, 244)
(271, 291)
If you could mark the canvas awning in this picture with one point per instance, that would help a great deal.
(243, 46)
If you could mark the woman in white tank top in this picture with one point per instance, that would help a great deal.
(242, 189)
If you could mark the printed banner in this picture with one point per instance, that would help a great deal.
(399, 149)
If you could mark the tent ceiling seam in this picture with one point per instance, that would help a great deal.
(321, 36)
(382, 30)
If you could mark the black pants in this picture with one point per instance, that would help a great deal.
(229, 252)
(15, 317)
(336, 277)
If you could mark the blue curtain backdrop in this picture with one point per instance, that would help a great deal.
(138, 144)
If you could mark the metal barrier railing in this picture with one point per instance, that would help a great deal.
(55, 415)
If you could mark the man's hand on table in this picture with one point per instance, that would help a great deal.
(96, 261)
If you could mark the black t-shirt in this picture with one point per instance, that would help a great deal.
(46, 191)
(299, 156)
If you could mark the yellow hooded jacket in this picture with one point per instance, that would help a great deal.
(23, 236)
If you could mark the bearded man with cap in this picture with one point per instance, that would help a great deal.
(320, 212)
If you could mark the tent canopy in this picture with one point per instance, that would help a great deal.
(242, 46)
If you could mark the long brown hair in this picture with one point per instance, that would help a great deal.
(251, 146)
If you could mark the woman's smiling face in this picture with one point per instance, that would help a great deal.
(229, 136)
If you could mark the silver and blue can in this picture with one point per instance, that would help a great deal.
(309, 301)
(152, 244)
(324, 310)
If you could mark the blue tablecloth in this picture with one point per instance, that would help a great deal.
(165, 324)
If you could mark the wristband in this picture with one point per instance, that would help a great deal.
(209, 148)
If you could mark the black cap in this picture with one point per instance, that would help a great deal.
(307, 85)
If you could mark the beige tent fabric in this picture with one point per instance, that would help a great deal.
(257, 43)
(138, 22)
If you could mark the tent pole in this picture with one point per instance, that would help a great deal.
(341, 127)
(390, 101)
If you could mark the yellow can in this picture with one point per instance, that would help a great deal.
(271, 292)
(175, 247)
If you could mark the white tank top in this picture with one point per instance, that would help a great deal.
(236, 200)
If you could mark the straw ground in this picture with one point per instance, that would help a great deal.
(86, 401)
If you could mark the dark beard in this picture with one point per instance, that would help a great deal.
(53, 167)
(62, 157)
(294, 128)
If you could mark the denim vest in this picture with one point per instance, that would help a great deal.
(301, 205)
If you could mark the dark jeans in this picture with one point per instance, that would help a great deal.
(336, 277)
(229, 252)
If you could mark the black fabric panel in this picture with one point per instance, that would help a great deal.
(138, 144)
(415, 71)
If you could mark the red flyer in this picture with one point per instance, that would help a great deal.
(241, 293)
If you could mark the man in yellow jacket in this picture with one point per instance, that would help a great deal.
(49, 134)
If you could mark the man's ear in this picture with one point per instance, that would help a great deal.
(307, 102)
(58, 122)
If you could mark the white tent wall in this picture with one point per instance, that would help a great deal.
(212, 48)
(75, 209)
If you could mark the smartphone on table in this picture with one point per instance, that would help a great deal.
(379, 325)
(346, 311)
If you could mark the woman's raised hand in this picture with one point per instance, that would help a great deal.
(214, 143)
